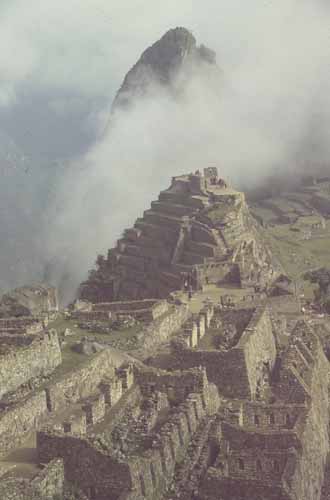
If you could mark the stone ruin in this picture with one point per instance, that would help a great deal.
(234, 423)
(198, 232)
(225, 397)
(30, 300)
(145, 311)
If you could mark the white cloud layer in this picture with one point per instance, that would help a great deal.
(275, 61)
(88, 45)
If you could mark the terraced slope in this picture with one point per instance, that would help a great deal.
(198, 230)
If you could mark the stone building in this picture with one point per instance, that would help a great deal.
(277, 449)
(126, 440)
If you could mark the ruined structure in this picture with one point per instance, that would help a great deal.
(238, 420)
(265, 450)
(134, 455)
(29, 300)
(198, 232)
(240, 360)
(224, 394)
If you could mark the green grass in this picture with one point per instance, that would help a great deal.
(124, 339)
(296, 254)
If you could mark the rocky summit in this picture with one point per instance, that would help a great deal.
(161, 64)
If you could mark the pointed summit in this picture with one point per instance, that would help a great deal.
(161, 64)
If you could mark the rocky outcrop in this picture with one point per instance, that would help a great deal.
(29, 300)
(175, 54)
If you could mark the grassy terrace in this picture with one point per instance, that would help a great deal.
(125, 339)
(300, 246)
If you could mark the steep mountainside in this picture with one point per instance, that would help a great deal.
(167, 63)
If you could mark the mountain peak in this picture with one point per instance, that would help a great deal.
(161, 62)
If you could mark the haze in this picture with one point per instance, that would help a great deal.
(71, 184)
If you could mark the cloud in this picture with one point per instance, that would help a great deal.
(259, 118)
(248, 121)
(88, 46)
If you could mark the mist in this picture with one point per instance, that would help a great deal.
(265, 112)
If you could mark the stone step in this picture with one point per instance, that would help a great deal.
(160, 253)
(157, 232)
(197, 202)
(203, 249)
(172, 208)
(192, 258)
(142, 241)
(162, 219)
(131, 261)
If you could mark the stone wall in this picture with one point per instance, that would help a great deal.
(39, 358)
(227, 370)
(239, 371)
(17, 421)
(175, 384)
(60, 393)
(101, 476)
(161, 329)
(258, 345)
(266, 417)
(216, 486)
(281, 447)
(218, 272)
(108, 403)
(258, 440)
(81, 382)
(27, 324)
(47, 485)
(308, 478)
(154, 470)
(133, 305)
(143, 310)
(98, 474)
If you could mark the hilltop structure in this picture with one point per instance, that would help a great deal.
(198, 231)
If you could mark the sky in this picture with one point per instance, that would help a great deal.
(71, 185)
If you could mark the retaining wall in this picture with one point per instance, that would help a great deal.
(39, 358)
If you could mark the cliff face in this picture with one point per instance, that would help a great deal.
(175, 55)
(198, 230)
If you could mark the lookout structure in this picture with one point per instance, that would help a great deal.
(199, 231)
